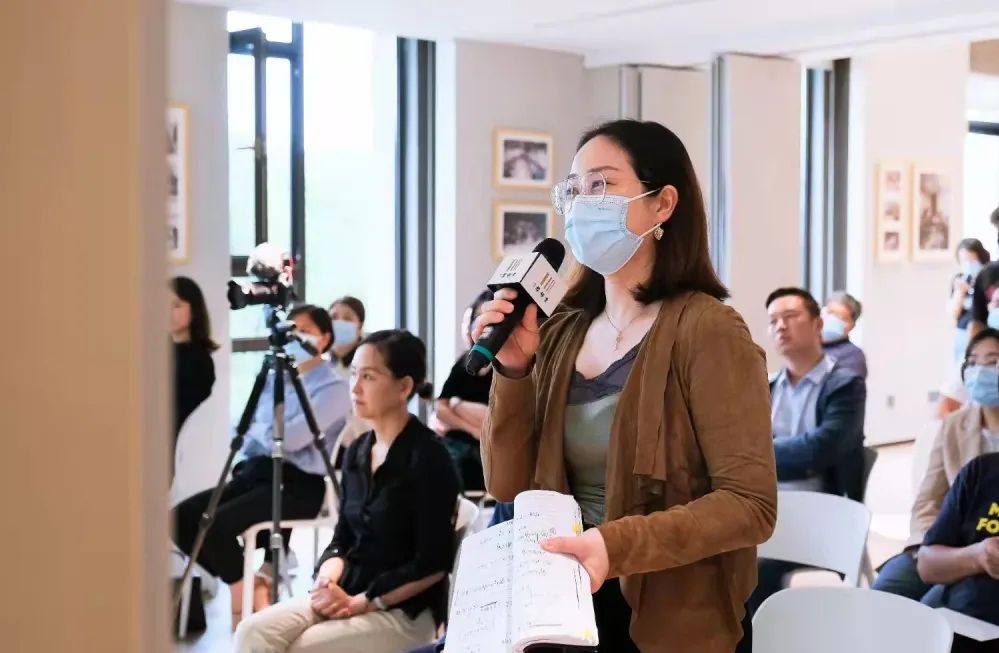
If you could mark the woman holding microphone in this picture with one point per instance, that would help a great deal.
(646, 399)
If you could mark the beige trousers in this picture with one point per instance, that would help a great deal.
(292, 627)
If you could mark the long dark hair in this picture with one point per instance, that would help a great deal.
(976, 247)
(682, 262)
(404, 355)
(201, 324)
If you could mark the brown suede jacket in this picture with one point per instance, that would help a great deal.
(691, 482)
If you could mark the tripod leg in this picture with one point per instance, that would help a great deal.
(208, 516)
(319, 439)
(281, 365)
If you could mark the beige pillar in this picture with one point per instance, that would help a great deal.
(83, 386)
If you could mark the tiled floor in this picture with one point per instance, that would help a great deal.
(889, 496)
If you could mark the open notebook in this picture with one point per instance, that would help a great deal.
(510, 595)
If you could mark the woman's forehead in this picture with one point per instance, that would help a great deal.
(600, 153)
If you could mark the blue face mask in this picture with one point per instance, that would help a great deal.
(993, 320)
(596, 228)
(971, 268)
(833, 328)
(297, 351)
(983, 384)
(344, 332)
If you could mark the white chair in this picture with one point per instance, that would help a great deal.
(327, 518)
(847, 620)
(820, 530)
(468, 512)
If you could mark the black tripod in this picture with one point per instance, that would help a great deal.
(281, 363)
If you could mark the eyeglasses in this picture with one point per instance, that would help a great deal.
(592, 184)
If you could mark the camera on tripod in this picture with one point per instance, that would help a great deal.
(271, 270)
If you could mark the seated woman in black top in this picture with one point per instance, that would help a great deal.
(961, 549)
(461, 408)
(191, 332)
(381, 584)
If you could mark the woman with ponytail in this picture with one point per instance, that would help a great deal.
(381, 584)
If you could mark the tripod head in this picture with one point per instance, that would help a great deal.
(282, 331)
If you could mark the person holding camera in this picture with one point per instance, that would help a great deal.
(246, 499)
(381, 585)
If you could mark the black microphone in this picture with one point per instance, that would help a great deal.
(536, 280)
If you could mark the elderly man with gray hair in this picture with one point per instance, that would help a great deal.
(839, 317)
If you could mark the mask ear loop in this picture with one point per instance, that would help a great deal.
(657, 230)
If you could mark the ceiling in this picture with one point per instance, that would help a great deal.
(667, 32)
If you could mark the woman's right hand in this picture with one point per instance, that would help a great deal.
(520, 347)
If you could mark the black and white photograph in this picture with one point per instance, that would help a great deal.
(178, 198)
(891, 207)
(519, 227)
(931, 198)
(523, 159)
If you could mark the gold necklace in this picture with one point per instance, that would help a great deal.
(620, 332)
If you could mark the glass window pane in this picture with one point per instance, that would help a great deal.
(350, 131)
(279, 152)
(241, 158)
(981, 190)
(276, 29)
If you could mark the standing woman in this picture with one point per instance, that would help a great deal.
(972, 257)
(191, 332)
(646, 399)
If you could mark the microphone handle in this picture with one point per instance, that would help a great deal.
(495, 335)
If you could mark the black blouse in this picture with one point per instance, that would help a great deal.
(397, 526)
(194, 376)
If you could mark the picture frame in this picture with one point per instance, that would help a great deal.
(178, 208)
(523, 159)
(891, 206)
(932, 213)
(519, 226)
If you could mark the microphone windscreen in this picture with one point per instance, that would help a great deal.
(553, 251)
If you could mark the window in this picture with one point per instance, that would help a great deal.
(981, 183)
(312, 135)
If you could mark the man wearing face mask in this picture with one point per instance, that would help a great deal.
(839, 317)
(964, 435)
(246, 499)
(985, 299)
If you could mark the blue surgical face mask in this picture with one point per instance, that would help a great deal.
(971, 268)
(344, 332)
(993, 320)
(982, 383)
(833, 328)
(597, 231)
(295, 349)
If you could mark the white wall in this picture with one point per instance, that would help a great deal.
(481, 88)
(906, 104)
(762, 114)
(198, 47)
(680, 98)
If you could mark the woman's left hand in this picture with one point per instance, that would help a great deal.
(353, 606)
(591, 551)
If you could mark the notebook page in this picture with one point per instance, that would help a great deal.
(553, 601)
(479, 620)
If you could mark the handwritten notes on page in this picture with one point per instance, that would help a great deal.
(480, 607)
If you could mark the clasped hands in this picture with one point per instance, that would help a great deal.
(331, 601)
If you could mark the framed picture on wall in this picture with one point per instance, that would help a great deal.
(178, 143)
(933, 213)
(518, 227)
(523, 159)
(891, 238)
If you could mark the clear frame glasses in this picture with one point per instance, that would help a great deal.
(592, 184)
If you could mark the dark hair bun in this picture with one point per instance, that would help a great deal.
(424, 390)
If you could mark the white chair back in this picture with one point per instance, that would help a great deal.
(468, 512)
(847, 619)
(820, 530)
